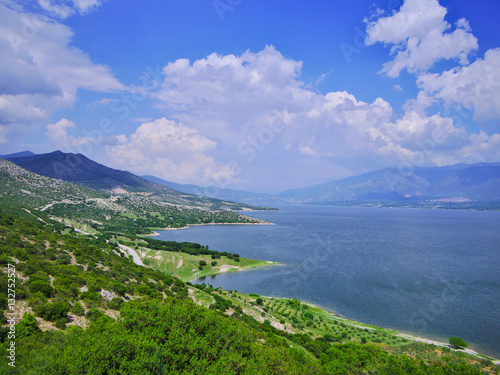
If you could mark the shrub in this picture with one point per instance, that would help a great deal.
(308, 315)
(118, 288)
(115, 303)
(328, 337)
(52, 311)
(78, 309)
(27, 326)
(42, 286)
(458, 343)
(91, 296)
(93, 314)
(61, 323)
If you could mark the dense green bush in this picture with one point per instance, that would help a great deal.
(78, 309)
(52, 311)
(115, 303)
(27, 326)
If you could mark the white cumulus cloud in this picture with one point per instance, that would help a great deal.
(476, 86)
(168, 150)
(40, 70)
(237, 100)
(420, 37)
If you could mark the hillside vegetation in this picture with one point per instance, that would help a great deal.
(131, 213)
(75, 303)
(80, 170)
(99, 313)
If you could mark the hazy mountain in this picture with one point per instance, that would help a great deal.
(215, 192)
(477, 182)
(78, 169)
(18, 155)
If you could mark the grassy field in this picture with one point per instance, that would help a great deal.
(187, 267)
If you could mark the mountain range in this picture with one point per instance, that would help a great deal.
(215, 192)
(78, 169)
(454, 184)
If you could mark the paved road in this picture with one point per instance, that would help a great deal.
(134, 254)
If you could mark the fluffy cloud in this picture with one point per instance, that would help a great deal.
(66, 8)
(59, 131)
(420, 36)
(239, 100)
(169, 150)
(476, 86)
(233, 95)
(58, 136)
(40, 71)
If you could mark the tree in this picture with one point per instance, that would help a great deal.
(27, 326)
(202, 263)
(78, 309)
(458, 343)
(259, 301)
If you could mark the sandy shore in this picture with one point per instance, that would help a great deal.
(197, 225)
(397, 333)
(442, 344)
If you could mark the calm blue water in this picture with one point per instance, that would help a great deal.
(434, 273)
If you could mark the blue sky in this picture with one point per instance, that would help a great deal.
(256, 95)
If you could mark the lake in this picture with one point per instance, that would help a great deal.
(432, 273)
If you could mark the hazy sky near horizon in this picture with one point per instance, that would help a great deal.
(256, 95)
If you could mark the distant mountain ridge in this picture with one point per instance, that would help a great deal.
(454, 183)
(78, 169)
(17, 155)
(474, 182)
(214, 191)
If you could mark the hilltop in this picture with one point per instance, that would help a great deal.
(78, 169)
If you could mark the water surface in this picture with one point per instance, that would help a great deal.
(433, 273)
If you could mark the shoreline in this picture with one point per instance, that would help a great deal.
(155, 233)
(406, 335)
(395, 332)
(240, 269)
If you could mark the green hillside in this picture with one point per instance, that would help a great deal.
(89, 310)
(76, 303)
(80, 170)
(93, 211)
